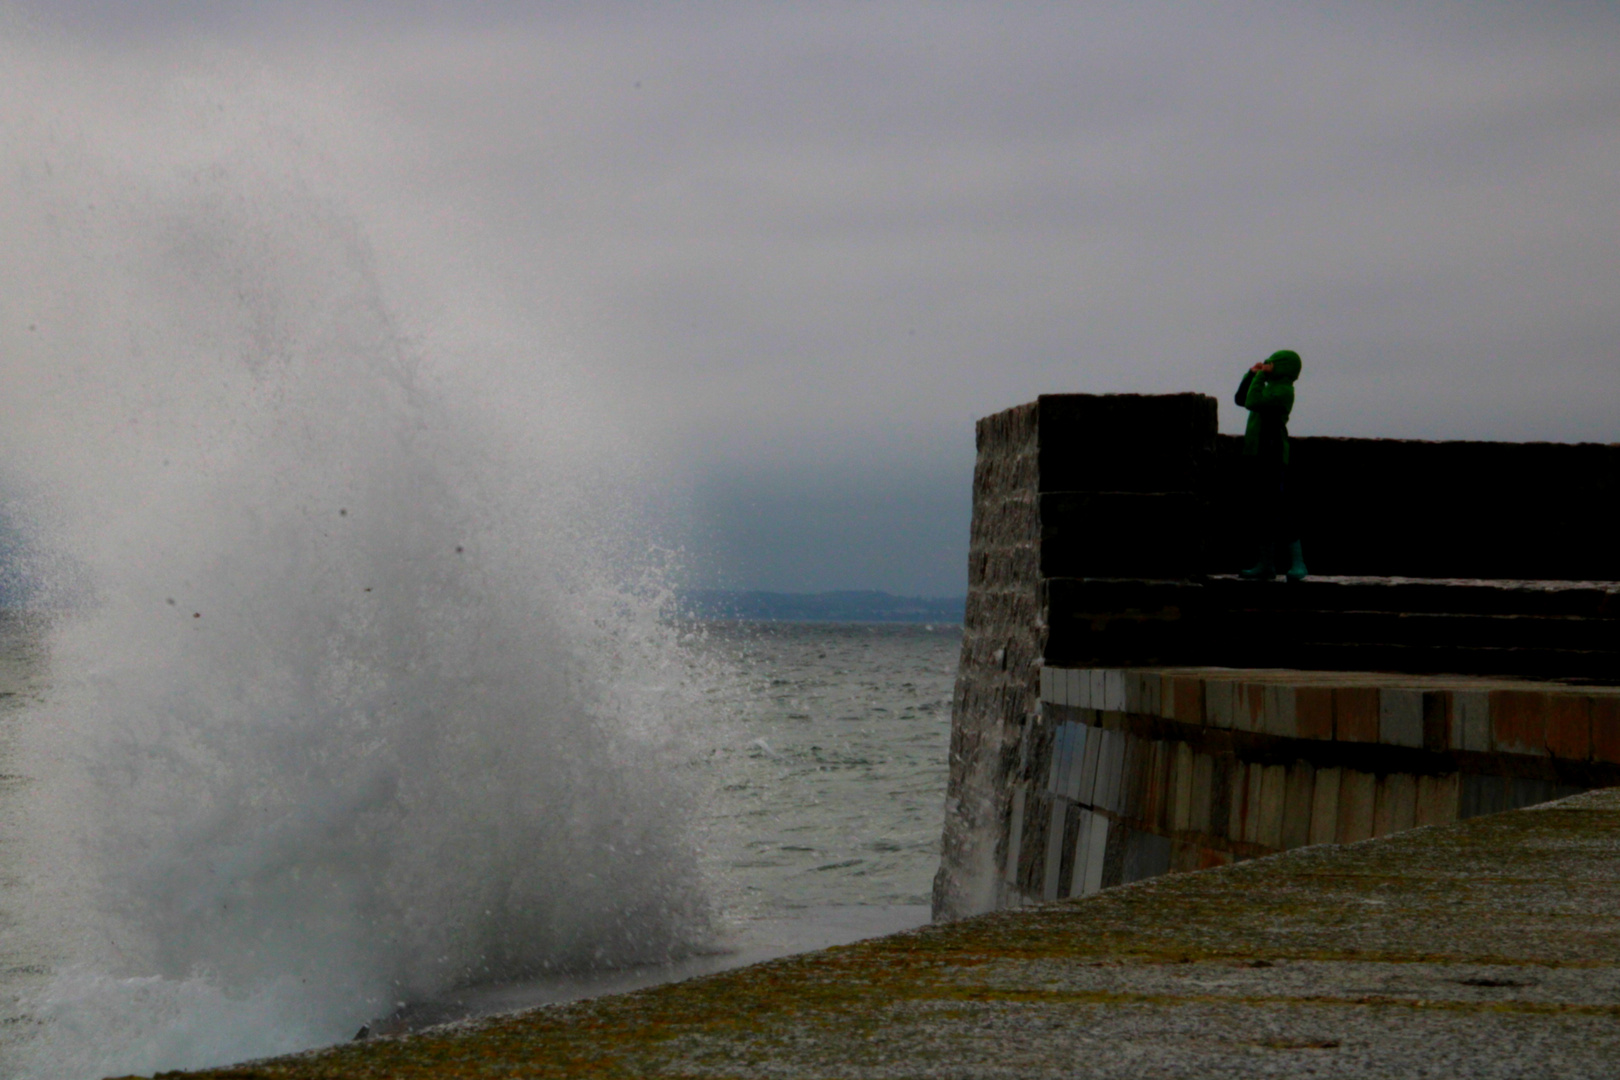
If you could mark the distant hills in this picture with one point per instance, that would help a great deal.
(853, 606)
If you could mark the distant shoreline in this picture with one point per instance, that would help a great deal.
(852, 606)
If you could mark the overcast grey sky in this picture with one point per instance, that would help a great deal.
(808, 244)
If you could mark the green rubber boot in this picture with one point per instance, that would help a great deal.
(1296, 563)
(1260, 571)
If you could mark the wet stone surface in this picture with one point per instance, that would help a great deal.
(1485, 948)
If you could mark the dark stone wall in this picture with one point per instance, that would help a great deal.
(1124, 482)
(1393, 507)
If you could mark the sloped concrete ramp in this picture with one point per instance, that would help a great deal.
(1486, 948)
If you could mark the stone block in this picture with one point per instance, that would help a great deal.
(1181, 784)
(1237, 793)
(1113, 690)
(1358, 796)
(1187, 700)
(1057, 761)
(1134, 697)
(1152, 694)
(1220, 703)
(1183, 857)
(1061, 758)
(1273, 802)
(1519, 722)
(1106, 779)
(1142, 690)
(1199, 813)
(1400, 717)
(1605, 713)
(1481, 795)
(1015, 833)
(1097, 691)
(1253, 789)
(1526, 791)
(1086, 782)
(1146, 855)
(1096, 851)
(1325, 807)
(1133, 777)
(1437, 799)
(1053, 687)
(1080, 745)
(1079, 687)
(1279, 713)
(1313, 712)
(1153, 777)
(1164, 760)
(1253, 707)
(1395, 808)
(1054, 849)
(1437, 720)
(1296, 826)
(1355, 714)
(1471, 721)
(1117, 745)
(1082, 838)
(1569, 727)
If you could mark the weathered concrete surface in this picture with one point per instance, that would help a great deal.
(1485, 948)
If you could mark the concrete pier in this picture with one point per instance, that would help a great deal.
(1484, 948)
(1450, 654)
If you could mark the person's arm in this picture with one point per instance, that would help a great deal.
(1243, 388)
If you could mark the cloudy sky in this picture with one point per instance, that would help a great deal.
(806, 245)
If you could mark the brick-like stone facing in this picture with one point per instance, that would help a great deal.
(1135, 772)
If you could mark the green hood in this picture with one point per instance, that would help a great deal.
(1285, 366)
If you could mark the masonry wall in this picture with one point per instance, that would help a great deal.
(998, 678)
(1102, 528)
(1131, 773)
(1525, 511)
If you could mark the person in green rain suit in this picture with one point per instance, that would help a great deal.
(1267, 391)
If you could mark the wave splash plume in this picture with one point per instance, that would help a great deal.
(348, 703)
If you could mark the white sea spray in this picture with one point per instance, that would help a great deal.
(350, 702)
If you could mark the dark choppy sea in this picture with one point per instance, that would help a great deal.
(832, 772)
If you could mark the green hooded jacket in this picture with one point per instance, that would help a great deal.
(1269, 397)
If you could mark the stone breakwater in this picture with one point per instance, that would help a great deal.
(1104, 531)
(1488, 947)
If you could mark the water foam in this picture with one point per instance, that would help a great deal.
(350, 704)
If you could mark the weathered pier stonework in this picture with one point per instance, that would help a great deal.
(1126, 706)
(1130, 773)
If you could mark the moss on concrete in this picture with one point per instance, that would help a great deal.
(1490, 947)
